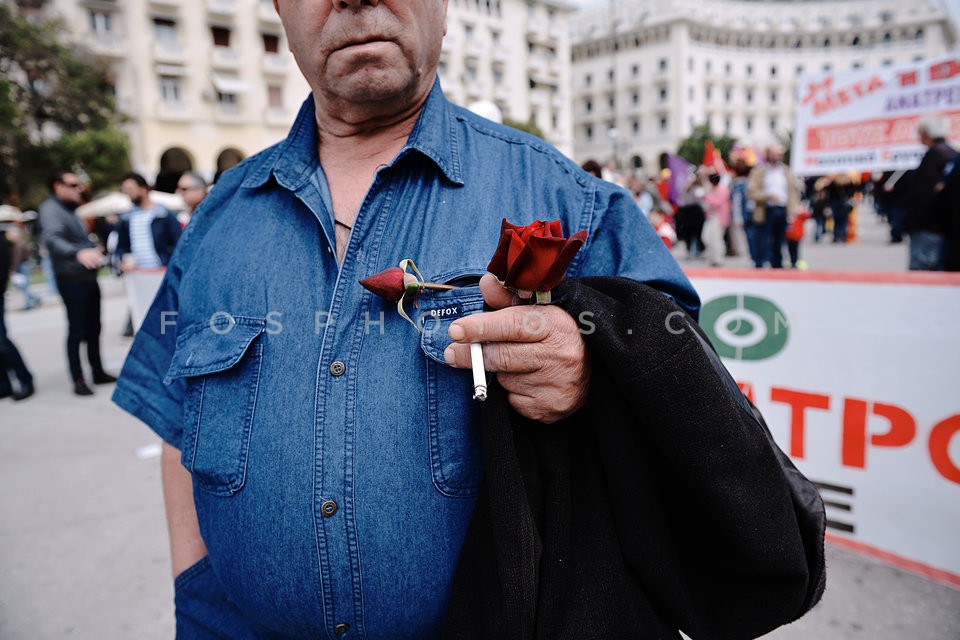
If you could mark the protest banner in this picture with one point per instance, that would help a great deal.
(866, 119)
(856, 376)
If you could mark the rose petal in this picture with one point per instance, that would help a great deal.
(387, 284)
(529, 271)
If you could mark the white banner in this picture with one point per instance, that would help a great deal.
(866, 120)
(859, 384)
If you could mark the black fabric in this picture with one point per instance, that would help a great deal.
(664, 505)
(81, 300)
(922, 215)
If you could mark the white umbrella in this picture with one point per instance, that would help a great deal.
(9, 213)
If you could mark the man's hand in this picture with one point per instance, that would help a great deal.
(536, 351)
(90, 258)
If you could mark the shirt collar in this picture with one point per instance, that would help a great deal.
(434, 136)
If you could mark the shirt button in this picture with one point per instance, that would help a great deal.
(338, 369)
(328, 508)
(341, 628)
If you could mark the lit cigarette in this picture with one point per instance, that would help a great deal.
(479, 375)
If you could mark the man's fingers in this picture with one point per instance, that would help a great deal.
(495, 294)
(499, 356)
(529, 323)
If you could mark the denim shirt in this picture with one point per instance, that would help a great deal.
(335, 457)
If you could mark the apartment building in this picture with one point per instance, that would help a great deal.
(646, 72)
(205, 83)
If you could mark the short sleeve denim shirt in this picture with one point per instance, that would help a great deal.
(335, 457)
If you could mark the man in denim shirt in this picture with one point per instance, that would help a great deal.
(322, 457)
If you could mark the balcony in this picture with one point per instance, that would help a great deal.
(166, 4)
(109, 46)
(474, 50)
(222, 7)
(224, 58)
(173, 111)
(538, 100)
(559, 102)
(229, 112)
(275, 64)
(499, 56)
(536, 30)
(277, 117)
(449, 45)
(169, 53)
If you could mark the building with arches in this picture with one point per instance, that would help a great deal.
(646, 72)
(204, 84)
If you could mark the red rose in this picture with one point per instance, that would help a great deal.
(534, 257)
(386, 284)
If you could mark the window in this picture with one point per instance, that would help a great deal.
(170, 89)
(610, 75)
(271, 43)
(690, 93)
(708, 66)
(773, 96)
(635, 70)
(587, 80)
(663, 64)
(635, 126)
(799, 70)
(827, 67)
(726, 124)
(773, 72)
(468, 32)
(588, 106)
(773, 124)
(101, 22)
(856, 65)
(275, 96)
(588, 132)
(221, 36)
(495, 37)
(635, 97)
(612, 103)
(663, 94)
(749, 69)
(497, 77)
(749, 123)
(689, 64)
(663, 123)
(165, 31)
(727, 68)
(749, 96)
(728, 94)
(708, 92)
(887, 63)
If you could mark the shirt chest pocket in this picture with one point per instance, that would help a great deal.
(220, 363)
(456, 448)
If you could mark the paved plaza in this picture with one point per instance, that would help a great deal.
(83, 543)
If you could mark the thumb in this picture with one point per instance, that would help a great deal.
(495, 294)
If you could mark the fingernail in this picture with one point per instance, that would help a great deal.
(450, 356)
(455, 332)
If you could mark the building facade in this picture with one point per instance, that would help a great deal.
(206, 83)
(645, 73)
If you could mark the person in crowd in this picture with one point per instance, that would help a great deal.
(193, 189)
(20, 265)
(76, 261)
(593, 168)
(794, 236)
(690, 215)
(149, 232)
(839, 190)
(891, 194)
(716, 207)
(924, 222)
(11, 362)
(323, 474)
(775, 194)
(744, 231)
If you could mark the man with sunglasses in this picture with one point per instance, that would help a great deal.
(76, 260)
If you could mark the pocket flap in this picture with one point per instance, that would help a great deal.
(437, 313)
(212, 347)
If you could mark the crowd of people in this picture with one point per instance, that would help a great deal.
(759, 208)
(72, 251)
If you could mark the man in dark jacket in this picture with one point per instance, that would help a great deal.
(76, 261)
(924, 221)
(149, 232)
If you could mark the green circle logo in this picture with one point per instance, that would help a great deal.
(745, 327)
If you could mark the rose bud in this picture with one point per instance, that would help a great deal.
(387, 284)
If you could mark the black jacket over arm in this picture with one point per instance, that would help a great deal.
(664, 505)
